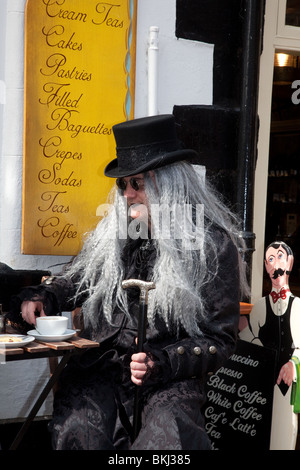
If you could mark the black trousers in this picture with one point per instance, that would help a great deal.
(89, 415)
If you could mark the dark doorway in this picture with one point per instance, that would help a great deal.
(283, 197)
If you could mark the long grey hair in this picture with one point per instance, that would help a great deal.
(181, 270)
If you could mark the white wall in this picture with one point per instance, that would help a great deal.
(185, 77)
(184, 67)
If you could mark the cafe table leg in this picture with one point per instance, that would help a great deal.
(41, 400)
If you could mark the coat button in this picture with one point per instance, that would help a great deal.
(180, 349)
(197, 350)
(212, 349)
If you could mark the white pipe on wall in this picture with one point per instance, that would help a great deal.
(153, 71)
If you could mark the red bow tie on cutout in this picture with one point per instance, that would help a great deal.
(280, 295)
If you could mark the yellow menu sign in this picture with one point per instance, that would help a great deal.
(79, 82)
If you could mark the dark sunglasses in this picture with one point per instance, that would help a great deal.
(135, 183)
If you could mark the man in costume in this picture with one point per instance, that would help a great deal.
(274, 322)
(193, 312)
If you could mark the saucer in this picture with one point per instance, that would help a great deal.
(14, 341)
(66, 335)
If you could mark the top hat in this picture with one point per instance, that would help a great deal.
(145, 144)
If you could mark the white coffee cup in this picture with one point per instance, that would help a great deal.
(51, 325)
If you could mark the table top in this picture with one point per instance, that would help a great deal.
(38, 348)
(245, 308)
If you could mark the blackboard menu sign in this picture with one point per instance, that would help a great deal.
(238, 411)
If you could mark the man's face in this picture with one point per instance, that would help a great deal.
(277, 263)
(133, 188)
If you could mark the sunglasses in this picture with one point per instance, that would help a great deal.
(135, 183)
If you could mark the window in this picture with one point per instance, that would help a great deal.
(288, 25)
(292, 13)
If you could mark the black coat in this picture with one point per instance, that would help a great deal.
(173, 393)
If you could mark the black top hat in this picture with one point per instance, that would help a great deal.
(145, 144)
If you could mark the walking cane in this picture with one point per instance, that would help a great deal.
(142, 321)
